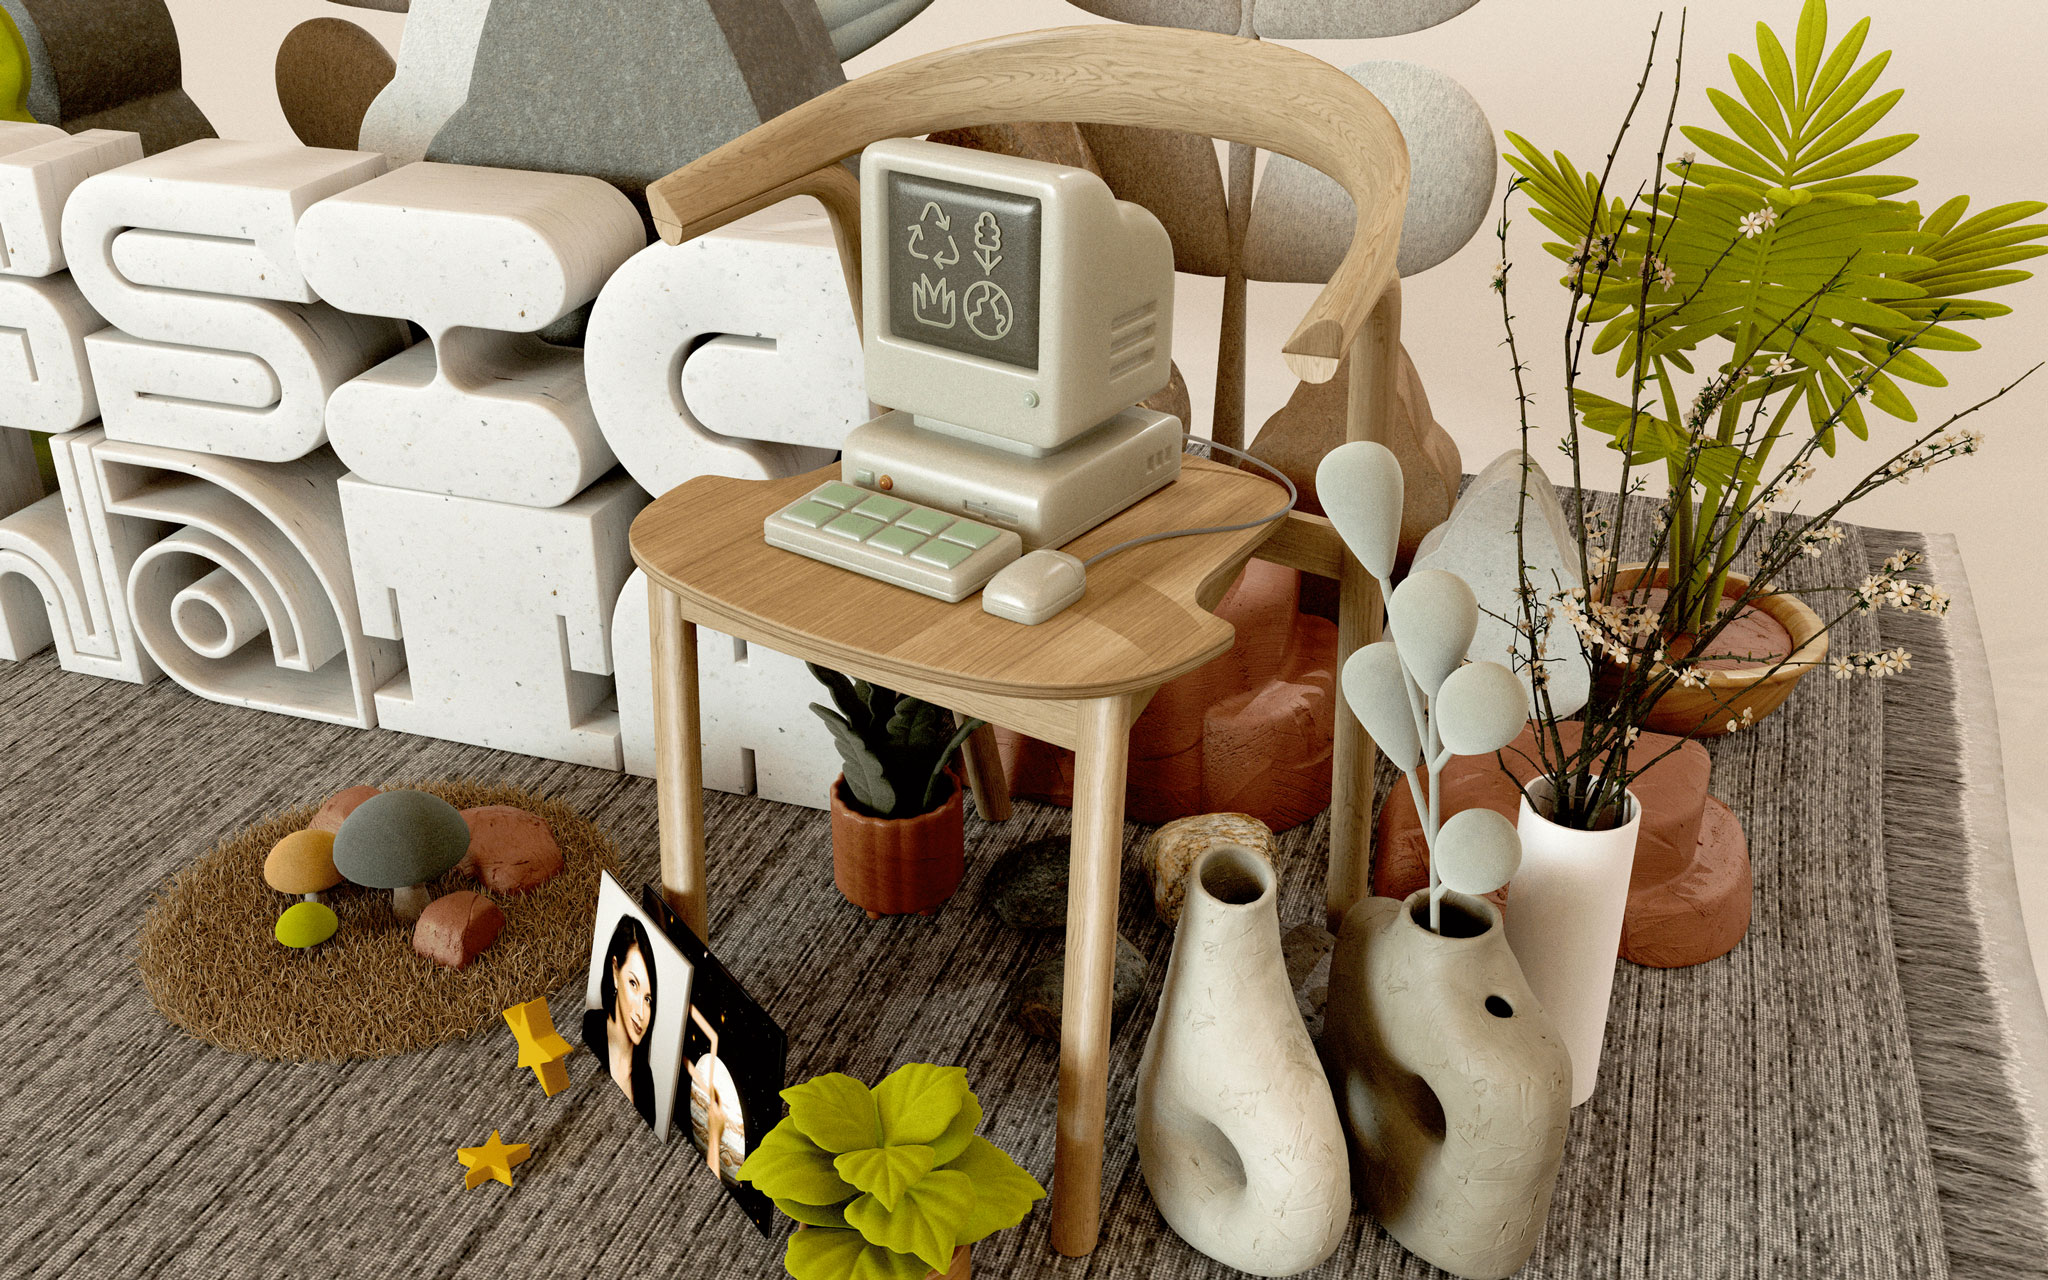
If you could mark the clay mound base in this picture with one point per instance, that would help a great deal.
(213, 967)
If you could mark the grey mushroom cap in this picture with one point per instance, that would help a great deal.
(400, 839)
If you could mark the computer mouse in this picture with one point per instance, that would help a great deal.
(1035, 586)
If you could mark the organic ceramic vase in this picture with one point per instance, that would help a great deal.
(897, 866)
(1564, 913)
(1731, 693)
(1454, 1086)
(1238, 1136)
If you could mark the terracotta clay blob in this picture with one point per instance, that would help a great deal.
(1453, 1083)
(1689, 895)
(1247, 733)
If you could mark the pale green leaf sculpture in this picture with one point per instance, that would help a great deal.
(888, 1182)
(885, 1173)
(837, 1112)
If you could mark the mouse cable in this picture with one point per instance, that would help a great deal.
(1187, 438)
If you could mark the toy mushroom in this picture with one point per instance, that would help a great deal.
(302, 863)
(306, 924)
(399, 841)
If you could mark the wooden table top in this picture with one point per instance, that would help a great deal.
(1144, 620)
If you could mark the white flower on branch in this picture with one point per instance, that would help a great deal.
(1758, 221)
(1780, 366)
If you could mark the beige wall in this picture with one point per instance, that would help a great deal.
(1559, 71)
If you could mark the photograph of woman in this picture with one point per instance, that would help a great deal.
(717, 1122)
(638, 992)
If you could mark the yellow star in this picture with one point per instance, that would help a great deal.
(494, 1159)
(539, 1046)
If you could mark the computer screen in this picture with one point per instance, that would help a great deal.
(963, 268)
(1009, 300)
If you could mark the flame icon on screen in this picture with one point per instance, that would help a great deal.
(935, 306)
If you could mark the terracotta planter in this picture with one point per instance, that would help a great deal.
(1706, 713)
(898, 866)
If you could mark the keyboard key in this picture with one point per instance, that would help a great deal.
(925, 520)
(853, 528)
(944, 554)
(970, 535)
(811, 515)
(841, 495)
(883, 509)
(897, 539)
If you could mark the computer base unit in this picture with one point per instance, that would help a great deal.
(1048, 500)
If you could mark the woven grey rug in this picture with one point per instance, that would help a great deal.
(1818, 1104)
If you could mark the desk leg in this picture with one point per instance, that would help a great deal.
(985, 774)
(678, 760)
(1100, 765)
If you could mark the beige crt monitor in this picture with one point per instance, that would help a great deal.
(1012, 298)
(1015, 312)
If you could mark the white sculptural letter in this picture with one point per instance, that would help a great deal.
(505, 611)
(753, 711)
(246, 598)
(219, 346)
(734, 354)
(482, 259)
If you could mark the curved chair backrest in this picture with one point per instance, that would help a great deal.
(1240, 90)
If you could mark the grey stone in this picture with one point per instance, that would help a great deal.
(859, 25)
(108, 64)
(1027, 888)
(1302, 220)
(1478, 544)
(630, 91)
(388, 6)
(1038, 998)
(1350, 19)
(1305, 950)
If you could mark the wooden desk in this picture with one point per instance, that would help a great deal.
(1078, 680)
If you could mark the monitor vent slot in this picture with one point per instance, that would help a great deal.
(1133, 339)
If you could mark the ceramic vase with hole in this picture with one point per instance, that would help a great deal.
(1565, 908)
(1238, 1136)
(1454, 1086)
(898, 866)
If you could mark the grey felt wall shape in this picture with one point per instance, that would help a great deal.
(629, 90)
(388, 6)
(1286, 19)
(1301, 220)
(328, 73)
(859, 25)
(436, 56)
(108, 64)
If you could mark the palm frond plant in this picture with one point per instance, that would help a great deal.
(1781, 274)
(1781, 268)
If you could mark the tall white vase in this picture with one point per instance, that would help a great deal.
(1564, 923)
(1238, 1134)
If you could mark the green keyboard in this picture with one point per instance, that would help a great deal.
(923, 549)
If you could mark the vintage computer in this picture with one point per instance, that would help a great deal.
(1015, 311)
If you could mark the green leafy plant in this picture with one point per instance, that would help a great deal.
(896, 747)
(1787, 258)
(1788, 255)
(888, 1181)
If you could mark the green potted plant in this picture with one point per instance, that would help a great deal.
(1813, 289)
(898, 824)
(1777, 274)
(889, 1183)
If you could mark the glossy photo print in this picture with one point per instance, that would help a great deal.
(734, 1057)
(636, 1005)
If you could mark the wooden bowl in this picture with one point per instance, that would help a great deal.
(1707, 712)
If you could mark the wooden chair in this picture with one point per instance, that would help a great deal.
(1082, 678)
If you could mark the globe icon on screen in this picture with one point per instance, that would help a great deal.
(988, 310)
